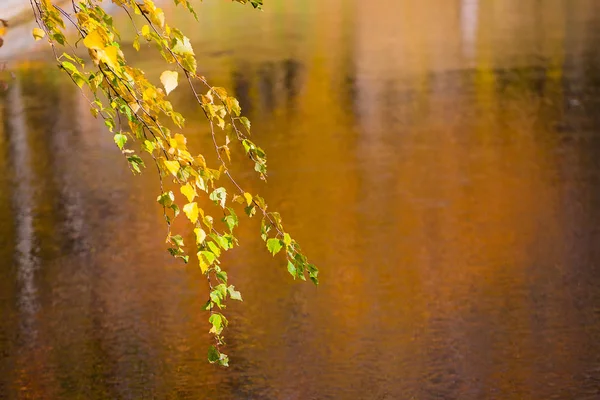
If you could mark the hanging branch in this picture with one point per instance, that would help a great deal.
(135, 110)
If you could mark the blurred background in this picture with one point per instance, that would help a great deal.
(437, 159)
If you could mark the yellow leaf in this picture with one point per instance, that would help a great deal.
(178, 141)
(172, 166)
(191, 211)
(134, 107)
(110, 56)
(200, 235)
(94, 41)
(227, 152)
(203, 264)
(188, 191)
(248, 198)
(169, 79)
(37, 33)
(149, 94)
(136, 43)
(159, 17)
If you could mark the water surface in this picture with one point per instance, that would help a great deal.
(437, 159)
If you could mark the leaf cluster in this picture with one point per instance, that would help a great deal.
(138, 112)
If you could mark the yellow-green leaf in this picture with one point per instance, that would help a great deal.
(38, 33)
(287, 239)
(191, 211)
(183, 47)
(248, 198)
(169, 79)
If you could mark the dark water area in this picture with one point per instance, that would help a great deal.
(439, 160)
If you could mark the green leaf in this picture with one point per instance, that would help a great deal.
(209, 256)
(219, 196)
(246, 122)
(257, 4)
(205, 260)
(166, 199)
(274, 245)
(59, 37)
(234, 294)
(265, 227)
(225, 241)
(214, 248)
(217, 323)
(231, 220)
(135, 162)
(291, 269)
(248, 145)
(120, 140)
(69, 67)
(313, 273)
(148, 146)
(110, 124)
(178, 240)
(222, 290)
(222, 276)
(213, 354)
(183, 47)
(223, 360)
(250, 210)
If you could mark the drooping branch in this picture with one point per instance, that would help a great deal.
(136, 111)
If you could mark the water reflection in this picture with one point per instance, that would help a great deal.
(437, 158)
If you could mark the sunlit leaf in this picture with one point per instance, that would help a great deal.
(191, 211)
(291, 269)
(274, 245)
(200, 235)
(169, 79)
(38, 33)
(234, 294)
(94, 41)
(120, 140)
(172, 166)
(135, 162)
(287, 239)
(188, 191)
(246, 122)
(183, 47)
(217, 323)
(248, 198)
(219, 196)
